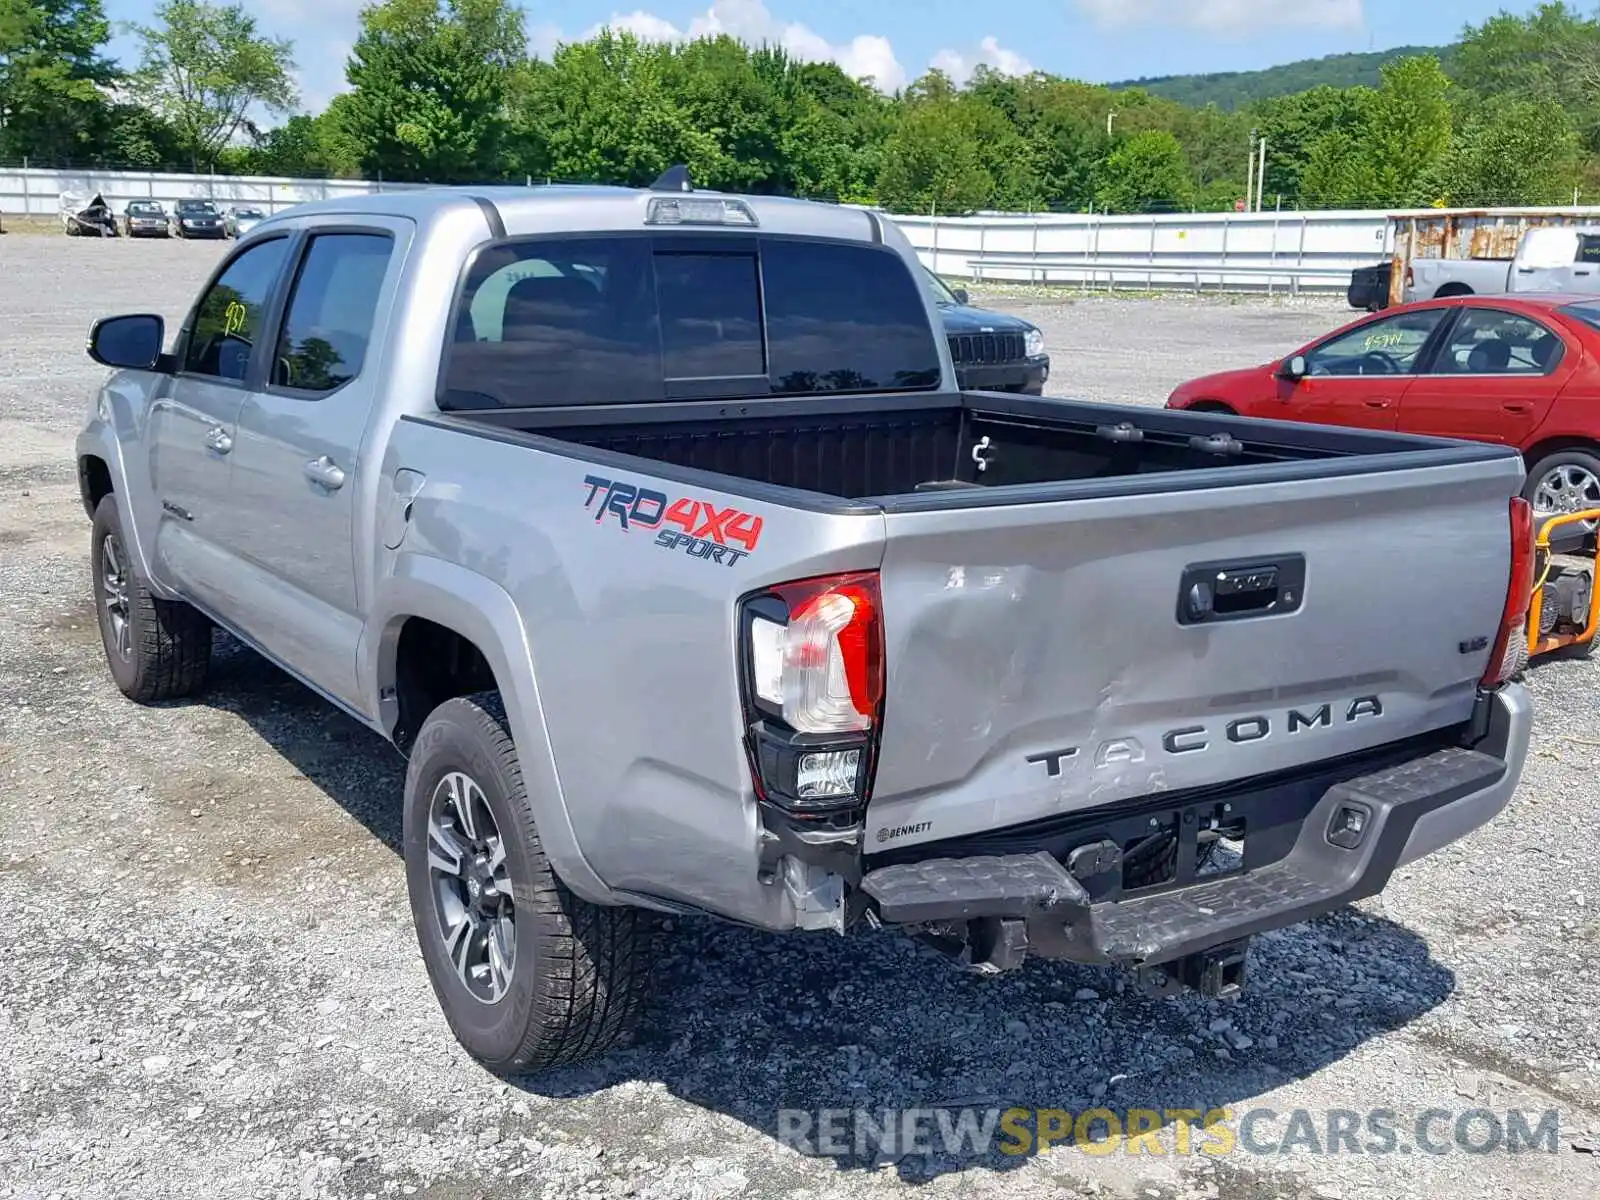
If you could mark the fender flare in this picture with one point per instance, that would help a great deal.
(99, 440)
(481, 610)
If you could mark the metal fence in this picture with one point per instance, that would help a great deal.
(1268, 251)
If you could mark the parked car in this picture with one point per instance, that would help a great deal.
(1521, 371)
(198, 219)
(86, 215)
(1550, 258)
(145, 218)
(993, 351)
(241, 219)
(653, 527)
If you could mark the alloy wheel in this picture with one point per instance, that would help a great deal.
(114, 596)
(471, 888)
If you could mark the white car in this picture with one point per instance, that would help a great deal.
(241, 219)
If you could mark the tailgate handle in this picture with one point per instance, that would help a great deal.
(1213, 592)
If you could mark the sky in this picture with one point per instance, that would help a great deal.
(894, 41)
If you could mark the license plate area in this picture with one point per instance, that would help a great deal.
(1156, 849)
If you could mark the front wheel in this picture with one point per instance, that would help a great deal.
(529, 975)
(156, 649)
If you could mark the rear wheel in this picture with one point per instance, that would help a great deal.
(529, 975)
(1452, 289)
(1564, 482)
(156, 649)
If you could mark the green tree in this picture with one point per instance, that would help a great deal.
(1294, 125)
(1341, 173)
(932, 161)
(1513, 152)
(52, 72)
(1408, 134)
(431, 86)
(203, 68)
(604, 111)
(1145, 172)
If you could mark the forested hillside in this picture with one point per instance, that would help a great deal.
(446, 91)
(1238, 89)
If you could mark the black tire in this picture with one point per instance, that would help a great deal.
(577, 979)
(1586, 460)
(1452, 289)
(161, 649)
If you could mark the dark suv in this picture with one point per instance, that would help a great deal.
(198, 219)
(993, 352)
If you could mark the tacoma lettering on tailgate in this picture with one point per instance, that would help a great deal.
(719, 535)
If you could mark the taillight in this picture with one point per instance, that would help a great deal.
(1511, 643)
(813, 684)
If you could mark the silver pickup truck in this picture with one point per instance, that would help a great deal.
(650, 526)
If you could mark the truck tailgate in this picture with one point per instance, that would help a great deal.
(1042, 658)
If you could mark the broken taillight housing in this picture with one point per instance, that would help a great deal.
(1510, 649)
(812, 654)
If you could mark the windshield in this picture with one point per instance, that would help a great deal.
(248, 214)
(195, 206)
(145, 208)
(941, 291)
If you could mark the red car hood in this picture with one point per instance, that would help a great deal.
(1231, 386)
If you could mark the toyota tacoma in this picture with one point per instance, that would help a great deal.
(651, 526)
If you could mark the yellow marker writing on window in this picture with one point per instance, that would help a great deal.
(233, 318)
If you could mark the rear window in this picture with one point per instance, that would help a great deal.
(1588, 312)
(610, 320)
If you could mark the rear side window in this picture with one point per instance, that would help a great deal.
(331, 309)
(845, 318)
(609, 320)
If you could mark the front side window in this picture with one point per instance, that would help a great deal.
(617, 320)
(227, 321)
(328, 321)
(1389, 346)
(1486, 341)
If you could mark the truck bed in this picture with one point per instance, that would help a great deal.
(954, 450)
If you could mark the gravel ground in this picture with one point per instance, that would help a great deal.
(210, 985)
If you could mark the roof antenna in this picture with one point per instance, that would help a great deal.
(673, 179)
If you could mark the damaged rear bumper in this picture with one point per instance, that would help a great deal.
(1345, 847)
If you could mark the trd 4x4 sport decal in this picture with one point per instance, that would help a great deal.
(699, 528)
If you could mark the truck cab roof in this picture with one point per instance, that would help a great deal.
(600, 209)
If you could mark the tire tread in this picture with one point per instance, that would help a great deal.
(592, 960)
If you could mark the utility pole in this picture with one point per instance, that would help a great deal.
(1250, 174)
(1261, 175)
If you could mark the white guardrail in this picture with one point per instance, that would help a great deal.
(1290, 251)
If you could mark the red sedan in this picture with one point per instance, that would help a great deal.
(1520, 370)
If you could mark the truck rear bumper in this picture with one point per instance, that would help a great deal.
(1032, 902)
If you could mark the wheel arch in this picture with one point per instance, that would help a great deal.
(1454, 289)
(1545, 447)
(432, 607)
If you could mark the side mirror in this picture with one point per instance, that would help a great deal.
(1295, 368)
(132, 342)
(961, 295)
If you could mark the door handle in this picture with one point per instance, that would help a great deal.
(325, 473)
(1376, 403)
(1517, 408)
(217, 440)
